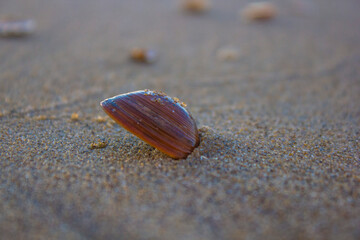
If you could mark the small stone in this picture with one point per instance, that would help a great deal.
(196, 6)
(74, 117)
(143, 55)
(41, 117)
(205, 129)
(100, 119)
(228, 54)
(99, 144)
(259, 11)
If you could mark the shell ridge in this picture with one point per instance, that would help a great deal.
(182, 132)
(169, 137)
(177, 116)
(150, 128)
(182, 124)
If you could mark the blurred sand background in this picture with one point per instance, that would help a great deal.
(279, 156)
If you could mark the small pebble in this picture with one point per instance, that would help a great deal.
(143, 55)
(74, 117)
(205, 129)
(99, 144)
(11, 27)
(196, 6)
(259, 11)
(41, 117)
(228, 54)
(100, 119)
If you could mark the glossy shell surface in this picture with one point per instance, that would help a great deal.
(159, 120)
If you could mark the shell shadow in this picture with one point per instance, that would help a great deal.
(214, 145)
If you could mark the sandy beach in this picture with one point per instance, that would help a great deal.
(279, 122)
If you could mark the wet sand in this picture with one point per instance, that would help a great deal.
(279, 125)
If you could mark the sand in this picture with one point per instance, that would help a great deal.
(279, 155)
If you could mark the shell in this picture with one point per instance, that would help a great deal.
(11, 27)
(159, 120)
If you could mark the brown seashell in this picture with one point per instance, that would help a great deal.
(159, 120)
